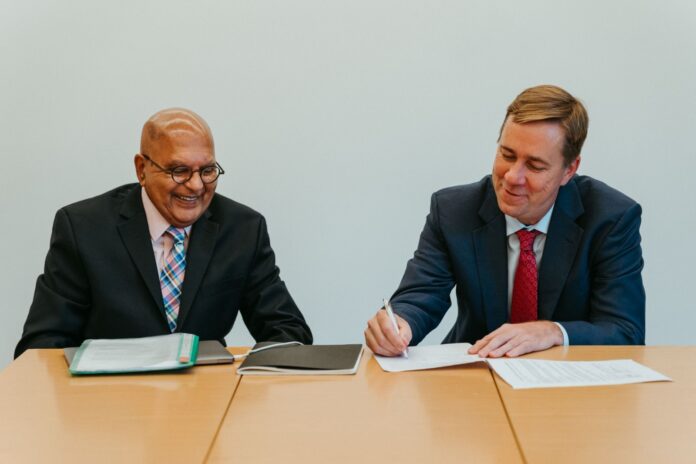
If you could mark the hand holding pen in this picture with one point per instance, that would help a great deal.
(387, 334)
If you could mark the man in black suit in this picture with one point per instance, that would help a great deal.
(167, 254)
(539, 255)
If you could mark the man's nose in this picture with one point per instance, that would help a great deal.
(195, 182)
(516, 174)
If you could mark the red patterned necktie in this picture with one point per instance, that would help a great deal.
(524, 291)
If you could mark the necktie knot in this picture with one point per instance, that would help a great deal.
(527, 238)
(177, 234)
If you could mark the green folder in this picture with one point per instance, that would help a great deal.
(126, 355)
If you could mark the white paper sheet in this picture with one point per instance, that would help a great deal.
(429, 357)
(526, 373)
(537, 373)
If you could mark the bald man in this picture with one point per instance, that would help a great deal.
(166, 254)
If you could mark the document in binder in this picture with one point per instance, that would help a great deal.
(128, 355)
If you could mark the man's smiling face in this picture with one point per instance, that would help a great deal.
(529, 169)
(179, 142)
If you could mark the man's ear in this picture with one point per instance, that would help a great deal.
(139, 163)
(570, 170)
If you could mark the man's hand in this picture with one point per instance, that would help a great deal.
(381, 337)
(517, 339)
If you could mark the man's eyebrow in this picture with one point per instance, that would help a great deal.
(536, 159)
(178, 163)
(532, 158)
(507, 149)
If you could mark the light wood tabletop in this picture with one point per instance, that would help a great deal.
(646, 422)
(50, 416)
(456, 414)
(439, 416)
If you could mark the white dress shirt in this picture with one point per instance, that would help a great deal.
(513, 251)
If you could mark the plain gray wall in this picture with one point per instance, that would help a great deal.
(337, 120)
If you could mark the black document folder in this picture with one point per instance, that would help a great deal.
(301, 359)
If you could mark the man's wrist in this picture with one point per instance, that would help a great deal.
(563, 340)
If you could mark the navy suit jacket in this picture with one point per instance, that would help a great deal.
(101, 281)
(589, 276)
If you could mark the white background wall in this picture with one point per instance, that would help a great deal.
(337, 120)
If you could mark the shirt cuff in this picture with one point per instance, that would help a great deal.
(565, 334)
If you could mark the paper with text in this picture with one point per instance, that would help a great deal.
(525, 373)
(161, 352)
(537, 373)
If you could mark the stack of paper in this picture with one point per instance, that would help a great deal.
(538, 373)
(159, 353)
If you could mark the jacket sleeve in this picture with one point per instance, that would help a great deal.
(617, 300)
(267, 308)
(423, 296)
(61, 302)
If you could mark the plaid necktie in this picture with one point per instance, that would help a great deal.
(524, 292)
(172, 275)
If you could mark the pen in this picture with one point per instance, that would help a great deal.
(390, 313)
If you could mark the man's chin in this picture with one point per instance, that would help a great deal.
(185, 220)
(509, 209)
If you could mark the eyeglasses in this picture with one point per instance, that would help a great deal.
(182, 174)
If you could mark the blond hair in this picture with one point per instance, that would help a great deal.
(551, 103)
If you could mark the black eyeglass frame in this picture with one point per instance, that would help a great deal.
(220, 171)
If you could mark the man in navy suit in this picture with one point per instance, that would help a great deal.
(539, 256)
(164, 255)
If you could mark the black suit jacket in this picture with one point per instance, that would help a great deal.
(101, 281)
(589, 275)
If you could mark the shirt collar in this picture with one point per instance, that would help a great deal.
(512, 225)
(155, 222)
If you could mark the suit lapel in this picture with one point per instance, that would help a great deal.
(561, 246)
(490, 244)
(200, 250)
(135, 236)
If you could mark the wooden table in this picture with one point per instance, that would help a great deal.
(49, 416)
(438, 416)
(457, 414)
(647, 422)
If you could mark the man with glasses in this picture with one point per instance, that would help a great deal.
(165, 255)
